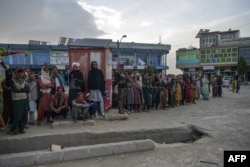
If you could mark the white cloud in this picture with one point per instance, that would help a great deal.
(146, 21)
(146, 24)
(106, 18)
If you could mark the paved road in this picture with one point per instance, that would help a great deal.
(226, 119)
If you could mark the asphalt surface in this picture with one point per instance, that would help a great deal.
(225, 119)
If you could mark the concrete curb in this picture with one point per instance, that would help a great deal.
(70, 123)
(112, 117)
(74, 153)
(67, 123)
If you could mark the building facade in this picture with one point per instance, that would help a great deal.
(133, 55)
(219, 52)
(188, 60)
(139, 55)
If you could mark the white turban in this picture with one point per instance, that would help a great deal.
(75, 64)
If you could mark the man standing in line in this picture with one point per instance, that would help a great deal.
(20, 102)
(33, 97)
(76, 82)
(57, 80)
(96, 85)
(205, 87)
(219, 84)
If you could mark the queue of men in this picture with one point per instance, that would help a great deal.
(23, 95)
(137, 92)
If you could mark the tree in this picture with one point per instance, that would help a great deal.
(242, 67)
(150, 70)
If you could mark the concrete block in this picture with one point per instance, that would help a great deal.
(100, 150)
(144, 145)
(49, 157)
(62, 124)
(18, 160)
(124, 147)
(112, 117)
(74, 153)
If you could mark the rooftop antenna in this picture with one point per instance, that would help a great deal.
(159, 39)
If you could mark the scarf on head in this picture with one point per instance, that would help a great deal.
(45, 76)
(45, 80)
(18, 79)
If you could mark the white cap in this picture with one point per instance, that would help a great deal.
(88, 94)
(75, 64)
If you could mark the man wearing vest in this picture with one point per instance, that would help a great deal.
(20, 102)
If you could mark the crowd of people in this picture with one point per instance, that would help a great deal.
(137, 92)
(23, 95)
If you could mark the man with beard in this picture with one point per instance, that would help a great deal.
(96, 85)
(58, 105)
(76, 82)
(20, 102)
(57, 80)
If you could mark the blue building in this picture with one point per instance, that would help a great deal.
(133, 55)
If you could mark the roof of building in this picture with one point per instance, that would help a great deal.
(207, 31)
(91, 42)
(140, 47)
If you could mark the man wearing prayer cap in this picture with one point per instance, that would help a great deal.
(76, 82)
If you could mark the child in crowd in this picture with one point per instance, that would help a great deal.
(164, 97)
(92, 105)
(33, 96)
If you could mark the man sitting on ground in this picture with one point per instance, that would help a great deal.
(79, 108)
(93, 105)
(58, 105)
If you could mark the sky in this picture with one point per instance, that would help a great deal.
(173, 22)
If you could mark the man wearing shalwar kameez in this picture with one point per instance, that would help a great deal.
(96, 85)
(45, 83)
(137, 96)
(20, 102)
(205, 88)
(33, 97)
(147, 91)
(130, 93)
(178, 96)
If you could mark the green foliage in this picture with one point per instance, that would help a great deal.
(2, 51)
(242, 66)
(150, 70)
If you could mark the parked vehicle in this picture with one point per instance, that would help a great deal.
(226, 81)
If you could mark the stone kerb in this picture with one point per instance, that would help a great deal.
(74, 153)
(71, 123)
(109, 117)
